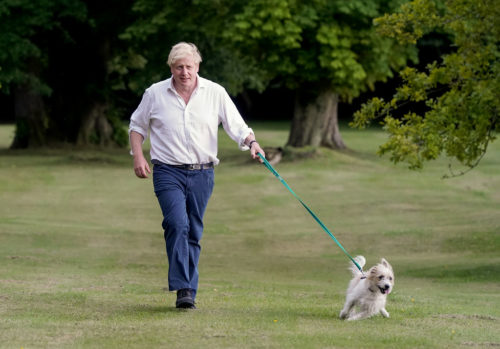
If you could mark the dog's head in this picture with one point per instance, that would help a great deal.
(381, 277)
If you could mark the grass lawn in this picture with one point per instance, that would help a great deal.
(82, 261)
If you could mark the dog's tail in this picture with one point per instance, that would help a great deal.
(361, 261)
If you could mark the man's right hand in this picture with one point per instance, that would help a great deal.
(141, 166)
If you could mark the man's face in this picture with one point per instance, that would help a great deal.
(184, 71)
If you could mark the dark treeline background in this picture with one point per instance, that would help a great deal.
(73, 71)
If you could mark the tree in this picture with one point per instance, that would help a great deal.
(161, 24)
(54, 57)
(461, 93)
(324, 50)
(23, 59)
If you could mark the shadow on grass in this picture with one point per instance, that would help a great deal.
(481, 242)
(459, 273)
(69, 156)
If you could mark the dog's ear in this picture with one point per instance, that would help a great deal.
(385, 263)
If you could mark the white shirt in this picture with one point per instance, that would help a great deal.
(183, 133)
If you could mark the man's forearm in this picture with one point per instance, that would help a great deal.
(136, 140)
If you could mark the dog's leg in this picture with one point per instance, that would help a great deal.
(359, 316)
(347, 309)
(384, 312)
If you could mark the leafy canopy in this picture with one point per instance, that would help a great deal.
(25, 26)
(324, 44)
(461, 93)
(252, 44)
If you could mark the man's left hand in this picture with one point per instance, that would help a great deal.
(255, 149)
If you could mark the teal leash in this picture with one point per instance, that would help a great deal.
(274, 172)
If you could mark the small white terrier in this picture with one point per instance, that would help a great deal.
(369, 293)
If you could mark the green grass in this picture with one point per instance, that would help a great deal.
(82, 261)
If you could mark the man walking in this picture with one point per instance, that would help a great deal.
(182, 115)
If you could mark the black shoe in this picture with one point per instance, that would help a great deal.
(185, 299)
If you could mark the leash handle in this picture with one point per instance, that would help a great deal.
(277, 175)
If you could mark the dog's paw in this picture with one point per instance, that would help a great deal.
(384, 313)
(343, 315)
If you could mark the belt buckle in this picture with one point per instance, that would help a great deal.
(196, 167)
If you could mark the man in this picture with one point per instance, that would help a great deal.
(182, 115)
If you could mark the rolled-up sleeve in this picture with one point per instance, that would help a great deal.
(233, 123)
(139, 121)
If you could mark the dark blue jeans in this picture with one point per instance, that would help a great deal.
(183, 196)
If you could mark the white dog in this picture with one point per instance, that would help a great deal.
(369, 293)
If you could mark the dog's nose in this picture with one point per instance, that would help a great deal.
(387, 286)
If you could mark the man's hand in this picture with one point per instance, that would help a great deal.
(255, 149)
(141, 166)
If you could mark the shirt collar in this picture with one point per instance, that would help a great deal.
(201, 82)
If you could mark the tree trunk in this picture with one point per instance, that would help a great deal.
(316, 123)
(95, 128)
(31, 118)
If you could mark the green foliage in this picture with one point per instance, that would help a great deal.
(159, 25)
(325, 44)
(461, 93)
(252, 44)
(120, 131)
(62, 53)
(24, 28)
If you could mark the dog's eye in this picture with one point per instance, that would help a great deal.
(381, 277)
(390, 278)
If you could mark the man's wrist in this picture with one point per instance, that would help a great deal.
(138, 155)
(251, 143)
